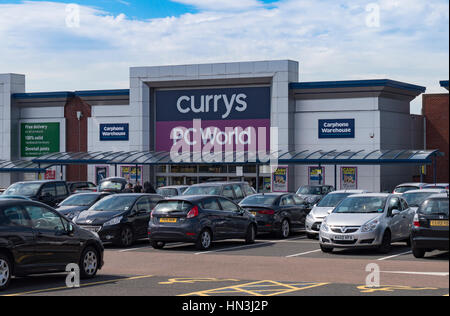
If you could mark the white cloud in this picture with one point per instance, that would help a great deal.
(329, 39)
(220, 5)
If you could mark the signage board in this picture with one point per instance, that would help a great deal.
(338, 128)
(114, 132)
(38, 139)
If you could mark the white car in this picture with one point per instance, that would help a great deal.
(404, 187)
(323, 208)
(415, 197)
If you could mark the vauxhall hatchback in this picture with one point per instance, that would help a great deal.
(200, 220)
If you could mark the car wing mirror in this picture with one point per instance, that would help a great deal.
(395, 212)
(329, 212)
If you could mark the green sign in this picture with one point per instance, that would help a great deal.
(37, 139)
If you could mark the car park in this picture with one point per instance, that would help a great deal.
(414, 198)
(35, 239)
(444, 186)
(314, 193)
(235, 191)
(77, 203)
(170, 191)
(120, 218)
(371, 220)
(324, 207)
(81, 186)
(280, 213)
(430, 226)
(200, 219)
(404, 187)
(48, 192)
(113, 185)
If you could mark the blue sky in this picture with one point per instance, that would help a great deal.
(331, 39)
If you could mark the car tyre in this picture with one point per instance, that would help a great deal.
(158, 244)
(285, 229)
(326, 249)
(204, 240)
(311, 236)
(89, 263)
(385, 246)
(418, 252)
(126, 237)
(251, 235)
(5, 271)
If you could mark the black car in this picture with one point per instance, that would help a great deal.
(81, 186)
(279, 213)
(120, 218)
(235, 191)
(113, 185)
(314, 193)
(430, 229)
(200, 220)
(48, 192)
(36, 239)
(77, 203)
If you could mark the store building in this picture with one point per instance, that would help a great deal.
(230, 99)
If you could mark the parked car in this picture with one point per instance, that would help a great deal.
(324, 207)
(26, 224)
(49, 192)
(314, 193)
(437, 186)
(430, 226)
(280, 213)
(77, 203)
(371, 220)
(81, 186)
(235, 191)
(414, 198)
(404, 187)
(173, 190)
(113, 185)
(120, 218)
(200, 219)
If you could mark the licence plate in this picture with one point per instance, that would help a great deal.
(344, 237)
(439, 223)
(254, 213)
(167, 220)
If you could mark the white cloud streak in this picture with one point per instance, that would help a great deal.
(329, 39)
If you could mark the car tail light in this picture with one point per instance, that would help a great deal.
(267, 212)
(416, 221)
(193, 212)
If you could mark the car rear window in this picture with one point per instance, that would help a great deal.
(434, 206)
(255, 200)
(405, 188)
(170, 206)
(203, 190)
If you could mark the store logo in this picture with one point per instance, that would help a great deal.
(212, 103)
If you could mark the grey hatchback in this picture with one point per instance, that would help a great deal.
(200, 220)
(235, 191)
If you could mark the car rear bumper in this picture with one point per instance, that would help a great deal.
(186, 232)
(430, 243)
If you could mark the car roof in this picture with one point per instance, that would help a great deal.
(349, 191)
(174, 186)
(372, 194)
(436, 184)
(12, 202)
(411, 184)
(192, 198)
(40, 181)
(217, 183)
(438, 196)
(430, 190)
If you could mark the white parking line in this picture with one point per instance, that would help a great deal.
(443, 274)
(303, 253)
(132, 249)
(397, 255)
(250, 245)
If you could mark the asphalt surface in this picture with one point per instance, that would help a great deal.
(270, 267)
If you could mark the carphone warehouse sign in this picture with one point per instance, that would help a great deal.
(339, 128)
(225, 114)
(114, 132)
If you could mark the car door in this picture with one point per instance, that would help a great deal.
(61, 192)
(48, 194)
(289, 210)
(302, 209)
(54, 248)
(142, 211)
(407, 216)
(237, 220)
(395, 220)
(228, 192)
(239, 193)
(215, 217)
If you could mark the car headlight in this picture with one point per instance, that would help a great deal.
(370, 226)
(324, 226)
(114, 221)
(310, 217)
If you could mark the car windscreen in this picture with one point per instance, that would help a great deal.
(331, 200)
(434, 207)
(416, 198)
(111, 185)
(171, 206)
(405, 188)
(79, 200)
(25, 189)
(116, 202)
(366, 204)
(310, 190)
(166, 192)
(203, 190)
(259, 200)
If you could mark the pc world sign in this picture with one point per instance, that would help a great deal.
(338, 128)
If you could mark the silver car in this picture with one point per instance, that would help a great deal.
(323, 208)
(415, 197)
(171, 191)
(371, 220)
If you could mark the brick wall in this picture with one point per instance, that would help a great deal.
(435, 108)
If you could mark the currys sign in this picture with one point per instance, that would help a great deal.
(226, 115)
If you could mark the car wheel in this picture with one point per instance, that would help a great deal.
(418, 253)
(158, 244)
(251, 234)
(326, 249)
(90, 260)
(126, 237)
(204, 240)
(385, 246)
(5, 272)
(311, 236)
(408, 242)
(285, 229)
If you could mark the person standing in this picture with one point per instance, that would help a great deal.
(137, 188)
(129, 188)
(148, 188)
